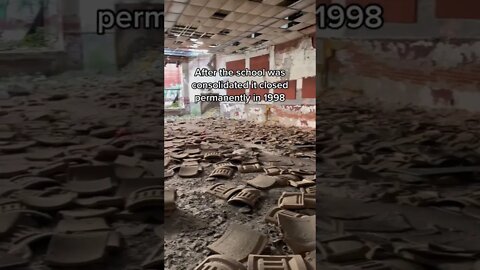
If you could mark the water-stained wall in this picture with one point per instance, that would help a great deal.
(427, 53)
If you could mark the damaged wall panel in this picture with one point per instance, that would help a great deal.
(404, 11)
(293, 115)
(423, 72)
(233, 111)
(297, 58)
(235, 66)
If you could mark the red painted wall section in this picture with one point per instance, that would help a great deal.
(291, 92)
(258, 91)
(234, 66)
(172, 75)
(309, 87)
(260, 62)
(458, 9)
(403, 11)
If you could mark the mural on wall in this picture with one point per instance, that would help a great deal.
(173, 86)
(29, 23)
(170, 94)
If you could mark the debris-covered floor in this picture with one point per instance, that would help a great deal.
(229, 176)
(79, 176)
(80, 180)
(397, 188)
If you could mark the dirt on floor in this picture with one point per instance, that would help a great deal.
(81, 178)
(397, 187)
(201, 218)
(71, 155)
(81, 175)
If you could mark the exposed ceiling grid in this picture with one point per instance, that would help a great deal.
(234, 26)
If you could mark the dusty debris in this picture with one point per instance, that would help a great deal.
(238, 187)
(59, 185)
(395, 183)
(238, 241)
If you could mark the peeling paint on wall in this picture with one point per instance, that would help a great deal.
(297, 58)
(257, 114)
(298, 61)
(451, 56)
(443, 97)
(422, 53)
(294, 115)
(233, 111)
(422, 72)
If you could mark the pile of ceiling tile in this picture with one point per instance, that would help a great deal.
(397, 187)
(207, 153)
(74, 180)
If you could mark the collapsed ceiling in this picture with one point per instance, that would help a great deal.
(234, 26)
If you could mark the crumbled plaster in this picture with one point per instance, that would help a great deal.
(423, 53)
(293, 115)
(233, 111)
(447, 55)
(298, 62)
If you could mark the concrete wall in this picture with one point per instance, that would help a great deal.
(98, 51)
(19, 19)
(204, 61)
(115, 48)
(71, 39)
(131, 41)
(31, 38)
(297, 58)
(427, 73)
(72, 34)
(426, 54)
